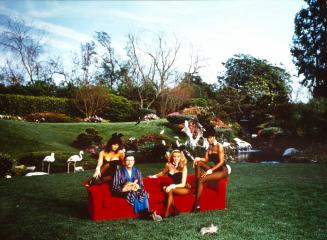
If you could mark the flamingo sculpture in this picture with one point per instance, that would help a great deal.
(73, 159)
(49, 159)
(191, 141)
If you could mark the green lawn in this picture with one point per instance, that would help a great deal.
(281, 201)
(19, 138)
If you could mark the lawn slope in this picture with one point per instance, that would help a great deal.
(17, 138)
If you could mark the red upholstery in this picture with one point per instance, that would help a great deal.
(102, 205)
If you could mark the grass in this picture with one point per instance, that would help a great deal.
(17, 138)
(282, 201)
(33, 141)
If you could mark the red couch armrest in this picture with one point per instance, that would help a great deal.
(97, 194)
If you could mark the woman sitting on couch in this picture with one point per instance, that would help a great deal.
(176, 169)
(109, 161)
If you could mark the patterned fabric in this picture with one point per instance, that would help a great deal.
(139, 198)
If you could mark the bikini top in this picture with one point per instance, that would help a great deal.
(213, 156)
(177, 177)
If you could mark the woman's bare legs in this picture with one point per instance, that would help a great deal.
(170, 198)
(200, 181)
(103, 178)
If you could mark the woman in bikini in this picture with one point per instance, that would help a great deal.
(176, 169)
(215, 153)
(109, 159)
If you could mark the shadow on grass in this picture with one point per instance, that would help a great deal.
(69, 208)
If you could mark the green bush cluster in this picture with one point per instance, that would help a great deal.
(22, 105)
(200, 102)
(119, 109)
(151, 147)
(6, 164)
(87, 139)
(178, 119)
(225, 134)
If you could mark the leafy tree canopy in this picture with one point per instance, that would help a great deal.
(309, 47)
(257, 78)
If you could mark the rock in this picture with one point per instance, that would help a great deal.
(35, 174)
(289, 151)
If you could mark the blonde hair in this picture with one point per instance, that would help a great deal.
(182, 161)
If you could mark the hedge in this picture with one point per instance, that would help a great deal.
(22, 105)
(118, 108)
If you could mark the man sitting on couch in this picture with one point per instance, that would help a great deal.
(128, 183)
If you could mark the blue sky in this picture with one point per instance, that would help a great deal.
(215, 30)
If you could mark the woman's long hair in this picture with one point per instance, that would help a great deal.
(115, 139)
(182, 161)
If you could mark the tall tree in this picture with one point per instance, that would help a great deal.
(109, 66)
(91, 100)
(22, 43)
(151, 69)
(309, 47)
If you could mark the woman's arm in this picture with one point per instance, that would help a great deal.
(204, 159)
(97, 172)
(162, 173)
(121, 156)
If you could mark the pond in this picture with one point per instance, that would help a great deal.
(266, 156)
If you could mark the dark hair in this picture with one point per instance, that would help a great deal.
(115, 139)
(210, 132)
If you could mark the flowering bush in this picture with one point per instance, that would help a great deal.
(193, 110)
(150, 116)
(53, 117)
(10, 117)
(173, 114)
(218, 123)
(93, 119)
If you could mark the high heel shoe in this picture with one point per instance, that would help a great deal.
(91, 182)
(196, 209)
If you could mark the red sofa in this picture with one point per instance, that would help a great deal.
(103, 205)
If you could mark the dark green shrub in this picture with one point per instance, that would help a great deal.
(309, 120)
(145, 111)
(151, 147)
(52, 117)
(22, 105)
(87, 139)
(225, 134)
(33, 159)
(178, 119)
(6, 164)
(119, 109)
(268, 132)
(200, 102)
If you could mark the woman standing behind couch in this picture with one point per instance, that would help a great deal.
(176, 169)
(109, 159)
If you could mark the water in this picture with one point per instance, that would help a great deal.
(258, 156)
